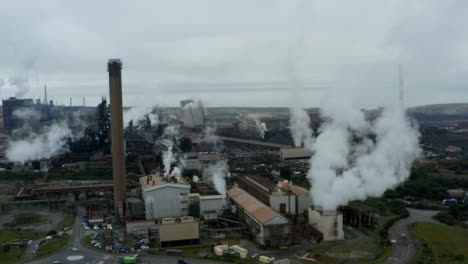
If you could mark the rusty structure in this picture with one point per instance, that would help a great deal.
(114, 67)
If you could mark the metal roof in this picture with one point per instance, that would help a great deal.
(258, 210)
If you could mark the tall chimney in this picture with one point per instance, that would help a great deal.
(114, 67)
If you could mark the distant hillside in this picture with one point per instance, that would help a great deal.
(441, 109)
(440, 113)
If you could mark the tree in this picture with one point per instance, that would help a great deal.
(286, 173)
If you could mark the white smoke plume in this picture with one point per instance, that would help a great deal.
(139, 113)
(261, 127)
(170, 140)
(40, 146)
(356, 158)
(27, 114)
(217, 174)
(299, 125)
(209, 137)
(195, 178)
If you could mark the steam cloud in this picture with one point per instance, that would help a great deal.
(300, 130)
(40, 146)
(217, 174)
(27, 114)
(209, 137)
(139, 113)
(356, 158)
(169, 157)
(259, 125)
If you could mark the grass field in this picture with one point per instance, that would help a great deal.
(14, 254)
(359, 250)
(68, 220)
(52, 246)
(24, 219)
(447, 244)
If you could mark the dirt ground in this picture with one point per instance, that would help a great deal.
(56, 216)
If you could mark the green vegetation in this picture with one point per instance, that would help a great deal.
(68, 220)
(364, 248)
(13, 254)
(9, 235)
(19, 175)
(423, 184)
(455, 215)
(24, 219)
(52, 246)
(442, 244)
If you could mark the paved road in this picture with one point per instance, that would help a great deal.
(78, 253)
(405, 250)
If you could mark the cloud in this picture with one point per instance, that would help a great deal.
(178, 48)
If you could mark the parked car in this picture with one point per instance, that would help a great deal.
(30, 242)
(182, 261)
(48, 237)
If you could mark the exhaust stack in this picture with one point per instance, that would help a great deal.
(114, 67)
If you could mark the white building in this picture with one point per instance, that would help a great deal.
(329, 223)
(164, 196)
(269, 227)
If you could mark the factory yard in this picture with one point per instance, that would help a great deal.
(24, 229)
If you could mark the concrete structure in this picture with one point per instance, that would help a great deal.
(269, 227)
(165, 196)
(294, 153)
(329, 223)
(114, 67)
(10, 121)
(207, 199)
(139, 227)
(302, 197)
(179, 231)
(193, 114)
(200, 160)
(283, 197)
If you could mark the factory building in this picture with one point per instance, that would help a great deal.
(283, 197)
(328, 222)
(294, 153)
(10, 121)
(200, 160)
(167, 232)
(165, 196)
(208, 201)
(193, 114)
(269, 228)
(179, 231)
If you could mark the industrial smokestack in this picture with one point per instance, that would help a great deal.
(114, 67)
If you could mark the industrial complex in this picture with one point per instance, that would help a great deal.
(174, 177)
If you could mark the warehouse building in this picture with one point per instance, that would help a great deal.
(179, 231)
(165, 196)
(295, 153)
(269, 228)
(283, 197)
(168, 232)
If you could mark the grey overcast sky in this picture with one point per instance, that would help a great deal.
(237, 53)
